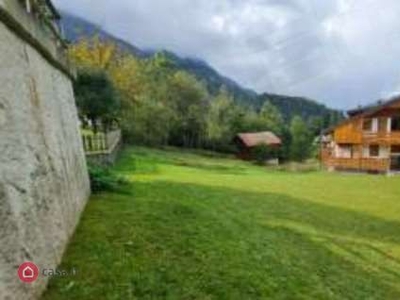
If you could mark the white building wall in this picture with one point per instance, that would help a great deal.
(384, 152)
(375, 125)
(343, 151)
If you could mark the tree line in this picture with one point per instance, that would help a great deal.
(157, 104)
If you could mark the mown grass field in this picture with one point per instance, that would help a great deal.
(193, 226)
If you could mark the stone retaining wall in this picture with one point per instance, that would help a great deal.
(44, 184)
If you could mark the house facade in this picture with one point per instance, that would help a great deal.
(368, 141)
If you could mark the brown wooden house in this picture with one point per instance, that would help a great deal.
(368, 141)
(247, 141)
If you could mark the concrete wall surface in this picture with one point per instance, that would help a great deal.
(14, 13)
(44, 184)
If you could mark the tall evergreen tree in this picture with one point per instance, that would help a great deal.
(271, 118)
(219, 121)
(190, 102)
(300, 148)
(96, 98)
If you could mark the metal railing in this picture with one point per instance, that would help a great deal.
(100, 142)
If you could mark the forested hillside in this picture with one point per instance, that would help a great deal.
(159, 98)
(303, 107)
(76, 28)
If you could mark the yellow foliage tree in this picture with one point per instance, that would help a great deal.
(123, 69)
(93, 53)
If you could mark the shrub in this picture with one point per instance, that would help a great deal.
(262, 153)
(103, 180)
(295, 167)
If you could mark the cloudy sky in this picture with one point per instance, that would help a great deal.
(340, 52)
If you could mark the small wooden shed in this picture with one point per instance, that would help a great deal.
(247, 141)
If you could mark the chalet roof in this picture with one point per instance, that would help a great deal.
(362, 109)
(259, 138)
(365, 111)
(373, 108)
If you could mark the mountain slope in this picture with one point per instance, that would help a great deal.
(76, 28)
(303, 107)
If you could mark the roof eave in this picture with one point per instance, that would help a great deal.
(366, 112)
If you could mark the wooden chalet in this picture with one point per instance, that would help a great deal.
(247, 141)
(368, 141)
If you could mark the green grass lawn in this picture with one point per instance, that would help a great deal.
(194, 226)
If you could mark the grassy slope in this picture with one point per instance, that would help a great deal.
(192, 227)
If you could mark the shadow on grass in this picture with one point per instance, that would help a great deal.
(231, 170)
(347, 237)
(268, 206)
(186, 241)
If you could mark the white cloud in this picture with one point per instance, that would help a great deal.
(341, 52)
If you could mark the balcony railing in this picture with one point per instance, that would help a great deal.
(101, 143)
(360, 164)
(383, 137)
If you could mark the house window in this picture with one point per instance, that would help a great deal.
(395, 149)
(367, 125)
(345, 151)
(395, 123)
(383, 125)
(374, 150)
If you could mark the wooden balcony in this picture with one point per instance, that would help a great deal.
(360, 164)
(381, 138)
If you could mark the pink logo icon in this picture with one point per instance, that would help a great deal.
(28, 272)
